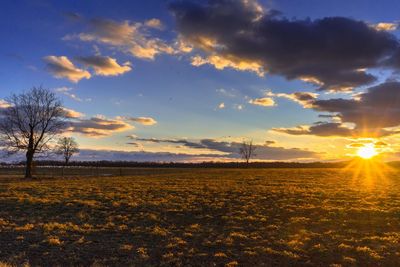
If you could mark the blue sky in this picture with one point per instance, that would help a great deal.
(185, 101)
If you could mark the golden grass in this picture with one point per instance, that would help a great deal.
(210, 217)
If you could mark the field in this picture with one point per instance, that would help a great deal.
(203, 217)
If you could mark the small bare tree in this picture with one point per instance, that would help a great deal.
(67, 147)
(30, 122)
(247, 150)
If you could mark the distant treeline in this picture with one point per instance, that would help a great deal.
(132, 164)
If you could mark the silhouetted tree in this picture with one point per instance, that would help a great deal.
(30, 122)
(67, 147)
(247, 150)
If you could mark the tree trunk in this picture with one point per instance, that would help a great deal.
(66, 161)
(29, 161)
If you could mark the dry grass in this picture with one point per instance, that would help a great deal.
(286, 217)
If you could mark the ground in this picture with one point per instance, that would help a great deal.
(203, 217)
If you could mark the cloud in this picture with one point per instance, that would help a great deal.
(227, 93)
(231, 149)
(221, 105)
(105, 66)
(221, 63)
(374, 113)
(238, 107)
(264, 101)
(305, 99)
(142, 156)
(380, 144)
(67, 91)
(73, 114)
(333, 52)
(142, 120)
(320, 129)
(385, 26)
(4, 104)
(154, 23)
(133, 144)
(99, 126)
(62, 67)
(377, 108)
(172, 141)
(126, 36)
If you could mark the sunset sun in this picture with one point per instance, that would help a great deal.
(367, 152)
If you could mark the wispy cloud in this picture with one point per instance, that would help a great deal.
(141, 120)
(227, 92)
(68, 92)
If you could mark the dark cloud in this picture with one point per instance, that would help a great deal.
(332, 52)
(263, 152)
(133, 144)
(141, 156)
(99, 126)
(183, 142)
(372, 113)
(377, 108)
(303, 98)
(320, 129)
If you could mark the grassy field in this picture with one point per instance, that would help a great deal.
(203, 217)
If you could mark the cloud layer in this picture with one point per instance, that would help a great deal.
(374, 113)
(231, 149)
(331, 52)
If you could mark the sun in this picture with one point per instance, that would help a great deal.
(367, 151)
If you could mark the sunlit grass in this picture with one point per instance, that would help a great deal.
(325, 217)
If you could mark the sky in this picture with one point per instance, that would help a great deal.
(159, 80)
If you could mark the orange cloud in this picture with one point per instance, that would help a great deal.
(105, 66)
(62, 67)
(264, 101)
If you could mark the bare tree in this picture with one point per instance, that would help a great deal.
(67, 147)
(247, 150)
(30, 122)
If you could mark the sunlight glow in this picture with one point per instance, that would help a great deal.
(366, 152)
